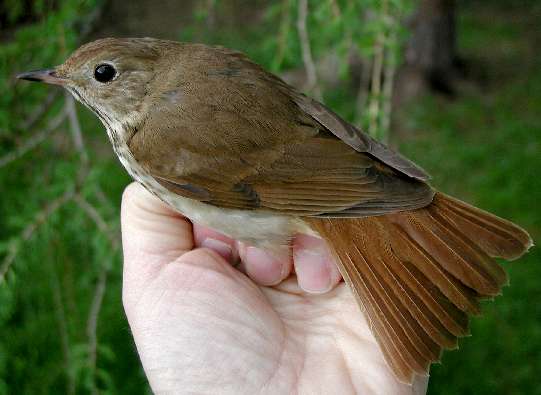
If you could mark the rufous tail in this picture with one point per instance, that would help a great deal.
(418, 274)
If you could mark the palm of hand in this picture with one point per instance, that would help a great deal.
(201, 326)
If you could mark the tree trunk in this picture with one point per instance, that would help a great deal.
(430, 55)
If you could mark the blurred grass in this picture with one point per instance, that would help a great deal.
(485, 146)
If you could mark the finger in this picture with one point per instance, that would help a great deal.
(264, 267)
(219, 243)
(315, 267)
(152, 236)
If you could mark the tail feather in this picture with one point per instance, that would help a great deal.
(417, 344)
(396, 291)
(496, 236)
(412, 254)
(399, 352)
(442, 320)
(419, 274)
(460, 257)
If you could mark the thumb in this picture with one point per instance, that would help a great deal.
(152, 236)
(158, 252)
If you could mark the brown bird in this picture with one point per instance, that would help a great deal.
(235, 148)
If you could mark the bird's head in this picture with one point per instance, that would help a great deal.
(110, 76)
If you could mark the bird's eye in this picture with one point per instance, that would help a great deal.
(104, 73)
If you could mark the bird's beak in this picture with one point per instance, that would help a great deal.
(48, 76)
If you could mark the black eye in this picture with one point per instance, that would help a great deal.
(104, 73)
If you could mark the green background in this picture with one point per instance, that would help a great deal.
(482, 145)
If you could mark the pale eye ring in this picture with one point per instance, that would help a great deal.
(104, 73)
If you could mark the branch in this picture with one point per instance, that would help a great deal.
(29, 230)
(95, 216)
(33, 141)
(375, 85)
(283, 34)
(362, 93)
(377, 67)
(335, 9)
(40, 110)
(92, 324)
(99, 292)
(75, 128)
(389, 72)
(63, 329)
(309, 66)
(100, 195)
(211, 14)
(90, 22)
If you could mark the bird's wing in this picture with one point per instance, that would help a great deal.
(332, 122)
(245, 139)
(312, 174)
(356, 139)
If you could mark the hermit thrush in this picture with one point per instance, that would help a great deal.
(235, 148)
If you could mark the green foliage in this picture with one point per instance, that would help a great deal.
(483, 146)
(59, 254)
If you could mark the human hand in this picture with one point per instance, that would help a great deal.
(202, 326)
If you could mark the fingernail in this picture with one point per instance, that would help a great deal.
(218, 246)
(263, 267)
(312, 267)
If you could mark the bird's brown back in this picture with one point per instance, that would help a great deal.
(222, 130)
